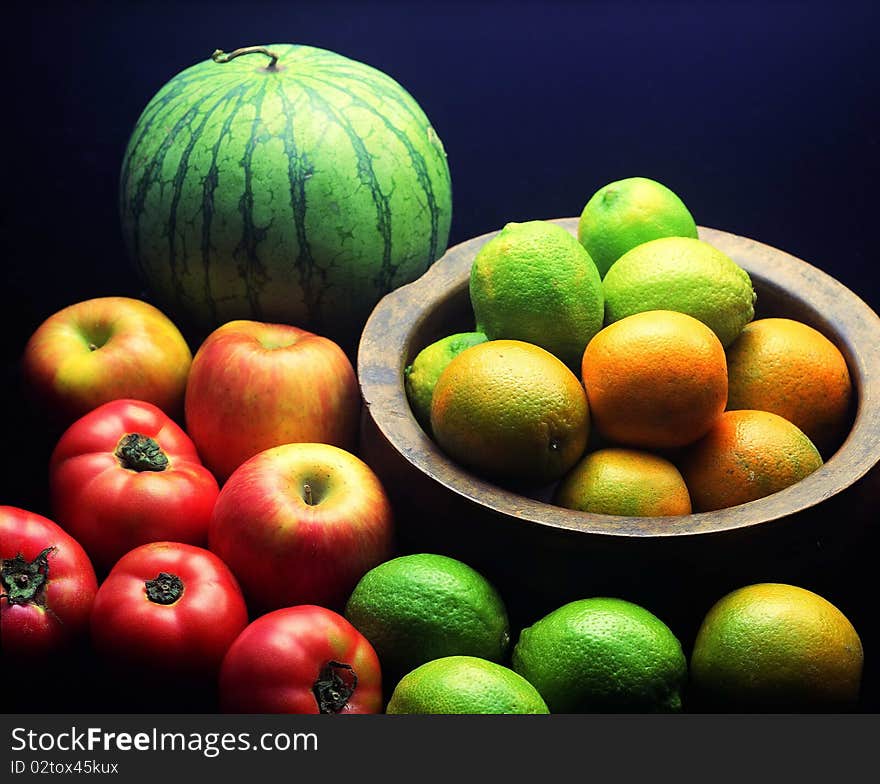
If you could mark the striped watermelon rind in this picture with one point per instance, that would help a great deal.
(300, 193)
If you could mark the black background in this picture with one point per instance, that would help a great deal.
(762, 116)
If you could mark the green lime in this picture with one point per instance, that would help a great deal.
(602, 655)
(686, 275)
(464, 684)
(627, 213)
(421, 376)
(535, 282)
(423, 606)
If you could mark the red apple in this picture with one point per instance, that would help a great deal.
(104, 349)
(254, 385)
(301, 524)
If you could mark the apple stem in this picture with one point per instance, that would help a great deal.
(220, 56)
(307, 494)
(138, 452)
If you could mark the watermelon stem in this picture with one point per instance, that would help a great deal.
(220, 56)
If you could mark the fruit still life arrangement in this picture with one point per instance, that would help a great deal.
(649, 390)
(210, 518)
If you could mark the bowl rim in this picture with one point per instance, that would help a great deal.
(386, 346)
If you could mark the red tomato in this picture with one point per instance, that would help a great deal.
(48, 584)
(126, 474)
(303, 659)
(169, 608)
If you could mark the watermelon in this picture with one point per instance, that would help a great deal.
(283, 183)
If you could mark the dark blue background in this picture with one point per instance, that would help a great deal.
(762, 116)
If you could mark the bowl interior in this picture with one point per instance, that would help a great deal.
(438, 304)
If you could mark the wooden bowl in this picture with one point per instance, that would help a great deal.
(541, 555)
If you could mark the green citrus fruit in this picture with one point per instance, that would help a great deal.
(464, 684)
(421, 375)
(778, 647)
(627, 213)
(682, 274)
(535, 282)
(602, 655)
(627, 482)
(423, 606)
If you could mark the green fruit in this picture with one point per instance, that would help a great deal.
(464, 684)
(602, 655)
(535, 282)
(419, 607)
(627, 213)
(777, 647)
(299, 192)
(686, 275)
(421, 376)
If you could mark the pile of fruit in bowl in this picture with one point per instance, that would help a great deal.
(639, 383)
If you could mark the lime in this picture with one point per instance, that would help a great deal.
(602, 655)
(682, 274)
(535, 282)
(627, 213)
(421, 376)
(423, 606)
(464, 684)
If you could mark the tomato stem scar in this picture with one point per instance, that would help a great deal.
(331, 691)
(138, 452)
(25, 581)
(164, 588)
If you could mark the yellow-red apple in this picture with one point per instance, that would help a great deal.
(301, 524)
(254, 385)
(104, 349)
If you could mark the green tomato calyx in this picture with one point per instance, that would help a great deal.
(164, 588)
(23, 581)
(138, 452)
(331, 690)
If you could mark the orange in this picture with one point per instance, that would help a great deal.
(791, 369)
(778, 647)
(746, 455)
(656, 379)
(624, 482)
(510, 410)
